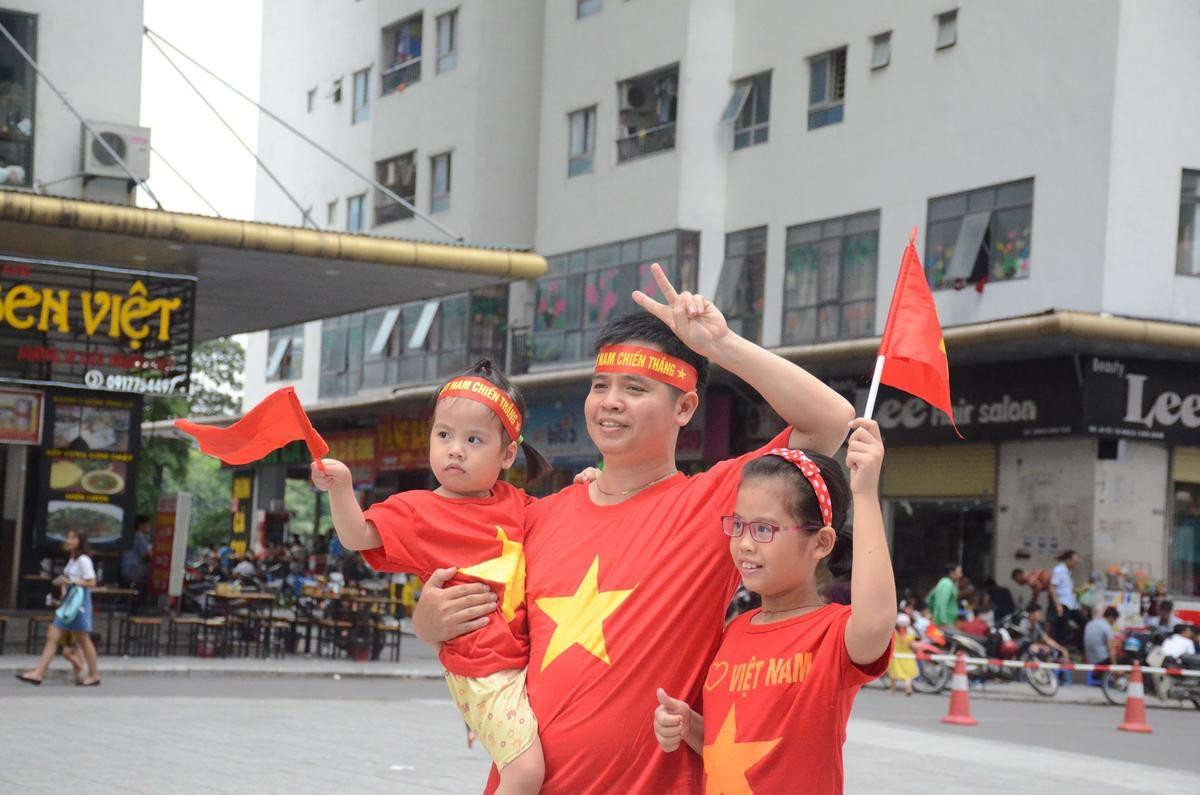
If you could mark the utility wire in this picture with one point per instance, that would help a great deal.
(304, 215)
(112, 152)
(183, 179)
(370, 181)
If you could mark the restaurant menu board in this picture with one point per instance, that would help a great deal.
(88, 467)
(20, 416)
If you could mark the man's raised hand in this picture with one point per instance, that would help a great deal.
(694, 319)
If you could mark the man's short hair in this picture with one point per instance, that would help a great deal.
(1111, 612)
(951, 567)
(644, 327)
(1016, 573)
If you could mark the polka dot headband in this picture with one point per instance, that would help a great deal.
(811, 473)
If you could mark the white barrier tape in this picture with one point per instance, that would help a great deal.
(976, 662)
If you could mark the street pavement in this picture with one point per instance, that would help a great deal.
(236, 732)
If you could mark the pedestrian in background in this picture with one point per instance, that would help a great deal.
(75, 614)
(1098, 637)
(903, 670)
(1064, 603)
(1037, 580)
(943, 599)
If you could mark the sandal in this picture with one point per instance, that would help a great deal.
(29, 679)
(93, 683)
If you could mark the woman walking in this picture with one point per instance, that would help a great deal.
(75, 614)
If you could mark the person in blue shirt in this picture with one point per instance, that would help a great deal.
(1064, 605)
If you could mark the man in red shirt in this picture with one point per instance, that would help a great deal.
(628, 577)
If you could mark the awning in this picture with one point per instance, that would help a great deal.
(253, 275)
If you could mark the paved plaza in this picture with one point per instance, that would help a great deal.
(239, 732)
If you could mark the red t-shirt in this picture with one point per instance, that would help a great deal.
(624, 599)
(483, 537)
(776, 702)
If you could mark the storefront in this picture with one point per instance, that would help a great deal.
(80, 347)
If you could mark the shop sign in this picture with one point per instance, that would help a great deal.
(403, 443)
(169, 552)
(20, 416)
(1007, 400)
(558, 430)
(88, 468)
(97, 327)
(355, 449)
(1142, 399)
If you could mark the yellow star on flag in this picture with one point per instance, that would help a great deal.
(580, 617)
(726, 760)
(507, 570)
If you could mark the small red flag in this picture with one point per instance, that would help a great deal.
(274, 422)
(913, 348)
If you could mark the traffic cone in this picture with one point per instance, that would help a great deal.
(960, 701)
(1135, 704)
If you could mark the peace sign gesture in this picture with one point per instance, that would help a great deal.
(694, 319)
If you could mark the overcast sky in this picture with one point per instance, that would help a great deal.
(225, 36)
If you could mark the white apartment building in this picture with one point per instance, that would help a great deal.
(776, 155)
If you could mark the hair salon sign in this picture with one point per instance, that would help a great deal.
(112, 329)
(1143, 399)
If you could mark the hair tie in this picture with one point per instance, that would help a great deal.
(812, 473)
(521, 439)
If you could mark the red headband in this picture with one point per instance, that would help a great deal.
(648, 362)
(483, 391)
(813, 474)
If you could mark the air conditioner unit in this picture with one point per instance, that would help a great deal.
(131, 143)
(634, 97)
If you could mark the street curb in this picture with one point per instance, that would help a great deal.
(111, 667)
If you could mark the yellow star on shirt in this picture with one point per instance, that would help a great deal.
(726, 760)
(580, 618)
(507, 570)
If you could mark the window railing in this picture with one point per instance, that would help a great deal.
(520, 338)
(393, 211)
(646, 142)
(397, 76)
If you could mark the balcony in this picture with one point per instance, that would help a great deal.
(646, 142)
(399, 76)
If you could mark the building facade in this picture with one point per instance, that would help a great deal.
(775, 156)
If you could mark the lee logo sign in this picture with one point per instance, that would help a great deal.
(1143, 399)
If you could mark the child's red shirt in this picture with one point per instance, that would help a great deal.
(776, 701)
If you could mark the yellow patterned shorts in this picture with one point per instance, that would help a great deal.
(497, 708)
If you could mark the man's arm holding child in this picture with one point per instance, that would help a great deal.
(353, 530)
(817, 414)
(872, 583)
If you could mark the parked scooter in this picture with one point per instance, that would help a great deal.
(1144, 647)
(1006, 642)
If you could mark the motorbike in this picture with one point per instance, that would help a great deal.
(1143, 646)
(1007, 642)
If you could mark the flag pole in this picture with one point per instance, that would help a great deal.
(870, 409)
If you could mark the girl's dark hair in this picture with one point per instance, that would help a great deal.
(802, 500)
(536, 465)
(83, 547)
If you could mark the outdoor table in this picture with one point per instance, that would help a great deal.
(255, 600)
(109, 600)
(31, 581)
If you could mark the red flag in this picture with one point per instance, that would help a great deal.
(912, 347)
(274, 422)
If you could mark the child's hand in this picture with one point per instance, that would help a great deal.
(694, 319)
(672, 719)
(588, 475)
(336, 474)
(864, 456)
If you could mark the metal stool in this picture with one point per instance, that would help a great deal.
(139, 636)
(387, 636)
(187, 625)
(35, 636)
(210, 638)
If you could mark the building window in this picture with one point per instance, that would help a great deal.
(585, 8)
(285, 353)
(647, 116)
(749, 110)
(354, 212)
(980, 235)
(335, 93)
(1185, 539)
(1187, 258)
(947, 29)
(881, 50)
(402, 54)
(827, 88)
(447, 41)
(582, 124)
(439, 190)
(399, 175)
(362, 110)
(331, 214)
(311, 101)
(341, 355)
(18, 87)
(584, 289)
(829, 279)
(740, 288)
